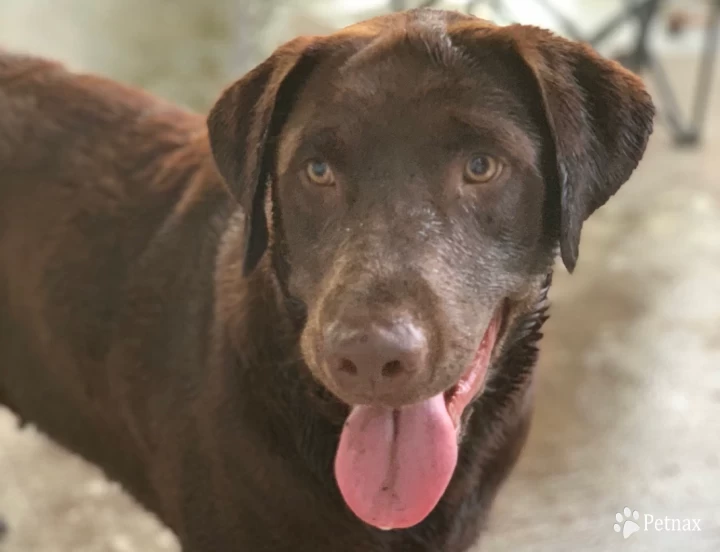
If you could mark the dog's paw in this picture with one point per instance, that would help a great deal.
(626, 522)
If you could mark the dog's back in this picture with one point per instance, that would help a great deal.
(90, 173)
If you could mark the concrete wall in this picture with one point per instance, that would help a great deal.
(185, 50)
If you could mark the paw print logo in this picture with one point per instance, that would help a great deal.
(626, 523)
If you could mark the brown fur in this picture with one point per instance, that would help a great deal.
(165, 319)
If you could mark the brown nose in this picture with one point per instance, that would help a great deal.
(375, 362)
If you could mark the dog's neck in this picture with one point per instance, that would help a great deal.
(257, 310)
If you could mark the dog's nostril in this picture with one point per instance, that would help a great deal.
(348, 366)
(368, 361)
(392, 368)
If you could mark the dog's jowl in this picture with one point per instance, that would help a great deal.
(309, 322)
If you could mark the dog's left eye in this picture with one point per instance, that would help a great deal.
(320, 173)
(481, 169)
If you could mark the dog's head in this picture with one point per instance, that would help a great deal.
(420, 171)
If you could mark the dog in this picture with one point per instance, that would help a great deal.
(309, 321)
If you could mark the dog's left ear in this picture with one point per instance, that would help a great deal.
(248, 114)
(598, 113)
(600, 117)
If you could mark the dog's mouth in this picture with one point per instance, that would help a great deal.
(393, 465)
(464, 392)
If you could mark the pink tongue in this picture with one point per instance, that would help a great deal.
(392, 466)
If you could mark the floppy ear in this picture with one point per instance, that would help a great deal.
(600, 117)
(247, 115)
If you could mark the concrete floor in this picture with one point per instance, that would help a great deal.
(628, 396)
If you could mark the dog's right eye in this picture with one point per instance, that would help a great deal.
(320, 173)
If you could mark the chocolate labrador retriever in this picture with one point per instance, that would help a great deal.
(312, 326)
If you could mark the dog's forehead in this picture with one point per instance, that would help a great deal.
(399, 58)
(401, 71)
(396, 63)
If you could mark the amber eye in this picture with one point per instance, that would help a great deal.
(319, 173)
(481, 169)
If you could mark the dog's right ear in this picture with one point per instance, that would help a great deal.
(247, 115)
